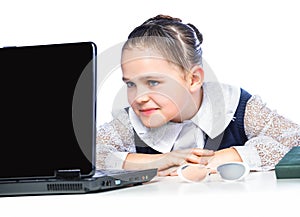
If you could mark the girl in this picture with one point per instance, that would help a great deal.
(176, 118)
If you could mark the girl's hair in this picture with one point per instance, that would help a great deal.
(174, 40)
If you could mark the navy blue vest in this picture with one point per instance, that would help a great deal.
(233, 135)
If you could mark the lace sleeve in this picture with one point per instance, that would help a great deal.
(114, 140)
(271, 134)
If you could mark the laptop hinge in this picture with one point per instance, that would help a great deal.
(68, 174)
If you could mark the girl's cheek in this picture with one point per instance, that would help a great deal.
(130, 97)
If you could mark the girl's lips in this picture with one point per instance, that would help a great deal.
(148, 111)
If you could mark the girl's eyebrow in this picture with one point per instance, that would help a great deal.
(145, 78)
(152, 77)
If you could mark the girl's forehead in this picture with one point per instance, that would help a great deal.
(134, 74)
(149, 64)
(146, 63)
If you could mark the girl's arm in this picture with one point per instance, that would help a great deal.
(270, 136)
(113, 142)
(167, 160)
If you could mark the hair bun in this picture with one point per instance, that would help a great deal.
(161, 17)
(198, 34)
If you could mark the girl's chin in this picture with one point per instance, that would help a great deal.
(153, 125)
(154, 121)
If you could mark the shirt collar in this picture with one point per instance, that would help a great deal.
(219, 104)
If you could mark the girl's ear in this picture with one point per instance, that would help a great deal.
(196, 78)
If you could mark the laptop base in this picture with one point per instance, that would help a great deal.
(100, 182)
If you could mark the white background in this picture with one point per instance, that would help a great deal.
(253, 44)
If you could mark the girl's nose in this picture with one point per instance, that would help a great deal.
(142, 95)
(142, 98)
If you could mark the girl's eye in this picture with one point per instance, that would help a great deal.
(153, 83)
(130, 84)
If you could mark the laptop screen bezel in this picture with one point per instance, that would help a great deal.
(88, 169)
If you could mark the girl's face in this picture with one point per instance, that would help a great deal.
(157, 90)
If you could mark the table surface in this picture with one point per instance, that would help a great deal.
(258, 194)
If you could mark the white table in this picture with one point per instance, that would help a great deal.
(260, 194)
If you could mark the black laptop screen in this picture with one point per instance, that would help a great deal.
(47, 109)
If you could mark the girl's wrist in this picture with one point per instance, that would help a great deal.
(224, 156)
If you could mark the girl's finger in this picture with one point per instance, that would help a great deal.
(196, 159)
(202, 152)
(167, 172)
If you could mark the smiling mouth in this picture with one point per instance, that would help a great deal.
(148, 111)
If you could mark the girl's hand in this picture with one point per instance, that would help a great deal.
(212, 162)
(223, 156)
(194, 155)
(176, 158)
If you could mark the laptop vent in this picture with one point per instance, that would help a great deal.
(65, 187)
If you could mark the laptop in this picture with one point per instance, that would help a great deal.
(48, 115)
